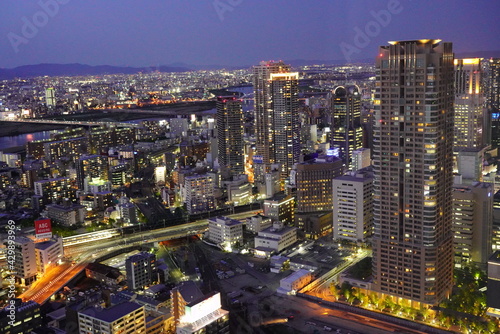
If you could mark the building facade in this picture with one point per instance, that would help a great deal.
(141, 270)
(413, 166)
(346, 133)
(230, 134)
(470, 112)
(472, 223)
(123, 318)
(353, 207)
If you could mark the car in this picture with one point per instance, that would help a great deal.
(327, 328)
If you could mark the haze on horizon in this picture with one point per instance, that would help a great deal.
(232, 32)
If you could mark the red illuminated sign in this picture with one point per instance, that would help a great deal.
(43, 228)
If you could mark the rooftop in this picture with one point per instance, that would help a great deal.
(189, 291)
(112, 313)
(46, 244)
(296, 275)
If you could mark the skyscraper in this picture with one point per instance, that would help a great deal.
(284, 89)
(263, 109)
(412, 158)
(469, 101)
(230, 134)
(492, 88)
(346, 131)
(276, 120)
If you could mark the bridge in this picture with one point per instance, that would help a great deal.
(75, 123)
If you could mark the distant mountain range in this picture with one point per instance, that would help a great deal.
(81, 69)
(78, 69)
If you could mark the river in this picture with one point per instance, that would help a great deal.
(21, 140)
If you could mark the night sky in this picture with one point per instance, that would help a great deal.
(231, 32)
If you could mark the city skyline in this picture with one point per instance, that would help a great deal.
(198, 33)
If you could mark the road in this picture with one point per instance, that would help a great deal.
(84, 253)
(309, 316)
(322, 289)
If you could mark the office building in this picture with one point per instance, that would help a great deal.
(274, 239)
(413, 166)
(314, 224)
(280, 207)
(493, 286)
(141, 270)
(230, 134)
(225, 231)
(123, 318)
(492, 92)
(361, 158)
(313, 180)
(27, 317)
(48, 253)
(353, 207)
(346, 133)
(470, 163)
(257, 223)
(469, 105)
(25, 269)
(472, 223)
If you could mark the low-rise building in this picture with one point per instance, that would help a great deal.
(204, 315)
(67, 214)
(274, 239)
(280, 207)
(124, 318)
(225, 231)
(295, 281)
(105, 274)
(257, 223)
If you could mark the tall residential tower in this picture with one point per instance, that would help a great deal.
(230, 134)
(276, 119)
(413, 161)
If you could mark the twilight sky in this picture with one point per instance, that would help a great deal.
(232, 32)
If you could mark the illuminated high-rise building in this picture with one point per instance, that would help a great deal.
(284, 89)
(230, 134)
(263, 107)
(413, 175)
(91, 166)
(276, 117)
(469, 105)
(346, 133)
(50, 97)
(492, 90)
